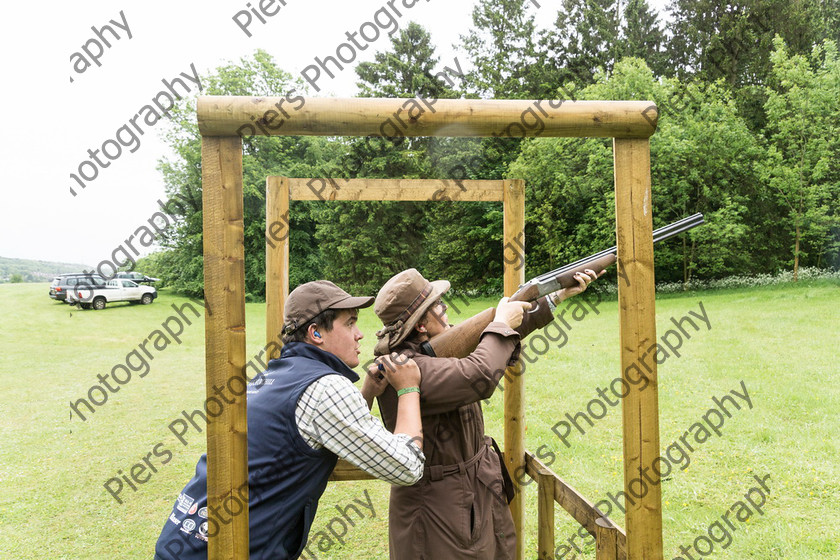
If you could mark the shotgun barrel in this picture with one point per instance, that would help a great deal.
(459, 341)
(563, 277)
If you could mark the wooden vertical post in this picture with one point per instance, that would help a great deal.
(637, 332)
(514, 237)
(224, 327)
(277, 232)
(606, 540)
(545, 515)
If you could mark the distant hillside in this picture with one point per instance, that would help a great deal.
(35, 271)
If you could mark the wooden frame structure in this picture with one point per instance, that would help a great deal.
(224, 120)
(511, 193)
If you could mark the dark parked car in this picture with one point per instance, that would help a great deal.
(138, 277)
(64, 282)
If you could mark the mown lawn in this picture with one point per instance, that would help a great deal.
(781, 342)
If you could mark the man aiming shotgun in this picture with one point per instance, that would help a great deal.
(458, 508)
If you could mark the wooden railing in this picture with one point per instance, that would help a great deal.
(610, 539)
(348, 471)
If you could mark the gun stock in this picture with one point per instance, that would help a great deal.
(460, 340)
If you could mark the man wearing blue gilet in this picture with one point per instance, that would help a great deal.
(303, 414)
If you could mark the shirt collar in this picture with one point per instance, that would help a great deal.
(304, 350)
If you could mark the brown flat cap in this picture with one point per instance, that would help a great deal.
(308, 300)
(400, 303)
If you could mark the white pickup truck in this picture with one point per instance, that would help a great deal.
(114, 290)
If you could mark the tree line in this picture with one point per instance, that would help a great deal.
(748, 134)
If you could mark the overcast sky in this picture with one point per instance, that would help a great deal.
(51, 123)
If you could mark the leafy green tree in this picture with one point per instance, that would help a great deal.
(701, 161)
(464, 239)
(15, 279)
(711, 39)
(643, 37)
(408, 70)
(803, 129)
(585, 39)
(363, 243)
(154, 265)
(182, 262)
(501, 48)
(591, 36)
(732, 41)
(825, 20)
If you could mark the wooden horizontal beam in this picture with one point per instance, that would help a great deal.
(582, 510)
(348, 471)
(395, 117)
(395, 189)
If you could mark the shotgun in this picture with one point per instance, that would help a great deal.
(459, 341)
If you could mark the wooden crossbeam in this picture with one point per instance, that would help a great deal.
(395, 189)
(396, 117)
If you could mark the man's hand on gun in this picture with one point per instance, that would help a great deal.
(583, 279)
(511, 312)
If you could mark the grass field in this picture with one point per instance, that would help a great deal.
(781, 342)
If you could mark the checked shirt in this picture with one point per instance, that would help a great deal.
(332, 413)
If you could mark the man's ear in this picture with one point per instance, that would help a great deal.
(311, 332)
(420, 327)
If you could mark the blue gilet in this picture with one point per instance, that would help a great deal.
(286, 477)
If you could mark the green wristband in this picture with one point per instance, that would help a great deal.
(402, 392)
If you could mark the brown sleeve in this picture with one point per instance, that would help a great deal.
(388, 407)
(539, 316)
(449, 383)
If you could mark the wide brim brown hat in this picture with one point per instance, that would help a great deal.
(401, 303)
(308, 300)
